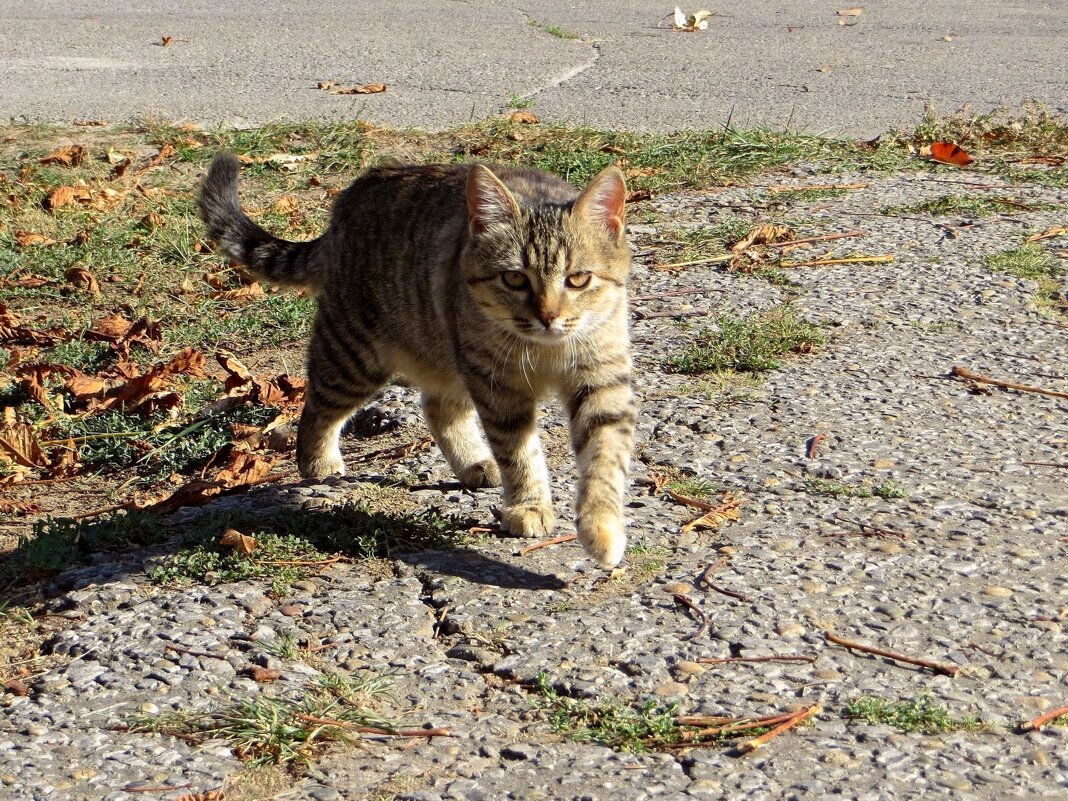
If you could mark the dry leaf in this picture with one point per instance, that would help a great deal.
(16, 687)
(524, 117)
(65, 463)
(726, 512)
(243, 295)
(366, 89)
(261, 675)
(850, 12)
(697, 21)
(1049, 232)
(69, 156)
(286, 204)
(763, 235)
(25, 239)
(19, 444)
(243, 543)
(165, 41)
(59, 197)
(237, 375)
(83, 279)
(946, 153)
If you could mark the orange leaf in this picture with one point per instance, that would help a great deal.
(69, 156)
(232, 538)
(244, 468)
(525, 117)
(83, 279)
(165, 41)
(245, 294)
(59, 197)
(366, 89)
(25, 239)
(109, 329)
(237, 374)
(947, 153)
(262, 674)
(286, 204)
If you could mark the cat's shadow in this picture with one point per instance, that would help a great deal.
(478, 567)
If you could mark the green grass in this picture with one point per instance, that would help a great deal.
(1031, 261)
(753, 344)
(264, 730)
(352, 529)
(921, 715)
(887, 490)
(519, 102)
(967, 205)
(622, 727)
(554, 30)
(694, 487)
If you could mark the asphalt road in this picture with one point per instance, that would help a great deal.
(788, 62)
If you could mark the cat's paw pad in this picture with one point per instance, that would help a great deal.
(528, 520)
(603, 538)
(481, 474)
(321, 465)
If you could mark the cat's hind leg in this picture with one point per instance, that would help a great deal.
(341, 379)
(453, 422)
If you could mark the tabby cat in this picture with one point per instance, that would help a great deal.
(488, 287)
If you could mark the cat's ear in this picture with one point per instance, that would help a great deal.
(601, 202)
(489, 202)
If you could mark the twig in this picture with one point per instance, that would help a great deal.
(1047, 464)
(775, 190)
(1036, 723)
(546, 543)
(937, 667)
(706, 579)
(883, 259)
(704, 506)
(397, 452)
(702, 618)
(160, 789)
(821, 238)
(712, 660)
(960, 372)
(869, 529)
(757, 742)
(813, 443)
(193, 653)
(672, 293)
(344, 724)
(674, 313)
(709, 260)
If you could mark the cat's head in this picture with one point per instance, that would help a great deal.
(547, 270)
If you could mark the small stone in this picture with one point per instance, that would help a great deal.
(997, 592)
(291, 610)
(790, 631)
(669, 689)
(1047, 625)
(519, 751)
(892, 611)
(954, 781)
(836, 756)
(689, 668)
(81, 774)
(36, 729)
(148, 708)
(324, 793)
(1036, 702)
(888, 546)
(827, 675)
(882, 464)
(812, 587)
(678, 588)
(1038, 757)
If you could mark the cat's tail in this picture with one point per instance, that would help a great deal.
(277, 260)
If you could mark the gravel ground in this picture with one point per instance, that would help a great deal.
(979, 582)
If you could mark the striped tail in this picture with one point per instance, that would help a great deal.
(277, 260)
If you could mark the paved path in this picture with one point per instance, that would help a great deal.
(759, 62)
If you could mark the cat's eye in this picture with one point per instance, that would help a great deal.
(513, 279)
(577, 280)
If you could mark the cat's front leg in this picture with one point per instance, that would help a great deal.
(511, 429)
(603, 414)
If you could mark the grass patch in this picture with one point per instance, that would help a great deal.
(754, 344)
(694, 487)
(289, 538)
(266, 730)
(621, 727)
(58, 543)
(967, 205)
(553, 30)
(519, 102)
(887, 490)
(1033, 262)
(921, 714)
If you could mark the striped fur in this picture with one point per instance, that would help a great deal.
(487, 287)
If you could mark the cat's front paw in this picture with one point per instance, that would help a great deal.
(320, 465)
(482, 474)
(528, 520)
(603, 538)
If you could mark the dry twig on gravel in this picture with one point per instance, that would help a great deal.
(714, 660)
(546, 543)
(707, 581)
(702, 619)
(757, 742)
(937, 667)
(867, 529)
(968, 375)
(1036, 723)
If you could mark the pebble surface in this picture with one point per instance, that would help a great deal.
(979, 583)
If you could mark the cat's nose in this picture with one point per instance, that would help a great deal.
(548, 316)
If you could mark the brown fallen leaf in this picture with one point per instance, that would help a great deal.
(946, 153)
(64, 463)
(237, 375)
(261, 675)
(242, 543)
(366, 89)
(725, 512)
(245, 294)
(764, 234)
(16, 687)
(69, 156)
(59, 197)
(83, 279)
(524, 117)
(19, 443)
(286, 204)
(1048, 233)
(165, 41)
(25, 239)
(856, 11)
